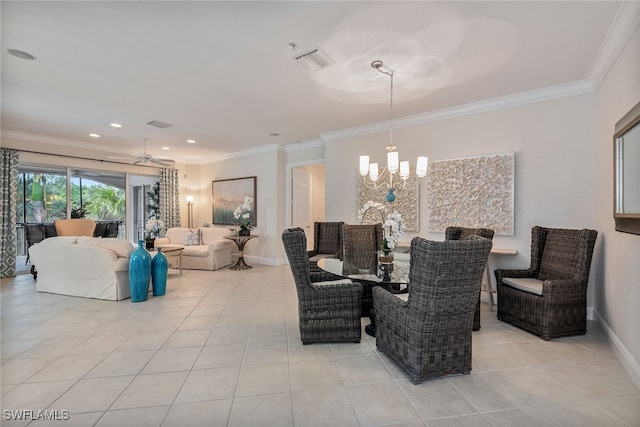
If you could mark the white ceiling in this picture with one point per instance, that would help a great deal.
(223, 74)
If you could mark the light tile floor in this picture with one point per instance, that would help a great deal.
(223, 348)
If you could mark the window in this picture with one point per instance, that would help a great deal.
(98, 195)
(42, 196)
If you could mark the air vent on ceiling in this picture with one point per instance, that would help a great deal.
(314, 59)
(159, 124)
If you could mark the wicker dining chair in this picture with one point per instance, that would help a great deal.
(328, 311)
(360, 250)
(459, 233)
(429, 334)
(549, 298)
(327, 242)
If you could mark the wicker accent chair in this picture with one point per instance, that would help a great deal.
(101, 229)
(34, 233)
(459, 233)
(328, 311)
(429, 335)
(360, 246)
(549, 299)
(113, 229)
(327, 242)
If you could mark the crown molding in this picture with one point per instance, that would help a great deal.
(44, 139)
(301, 146)
(539, 95)
(258, 150)
(622, 28)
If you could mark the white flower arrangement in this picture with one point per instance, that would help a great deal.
(243, 212)
(391, 224)
(155, 228)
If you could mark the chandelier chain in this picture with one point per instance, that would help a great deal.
(378, 66)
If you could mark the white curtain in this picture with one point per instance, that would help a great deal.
(8, 209)
(169, 197)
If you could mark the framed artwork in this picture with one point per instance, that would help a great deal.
(228, 194)
(472, 192)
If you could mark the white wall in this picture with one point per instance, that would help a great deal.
(617, 299)
(267, 166)
(554, 146)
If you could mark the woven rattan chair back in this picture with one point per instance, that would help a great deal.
(327, 237)
(360, 245)
(460, 233)
(429, 335)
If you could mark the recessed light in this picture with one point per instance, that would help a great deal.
(21, 54)
(116, 125)
(191, 141)
(166, 148)
(94, 135)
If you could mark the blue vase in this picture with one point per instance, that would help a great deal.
(139, 273)
(159, 269)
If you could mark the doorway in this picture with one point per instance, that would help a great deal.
(307, 198)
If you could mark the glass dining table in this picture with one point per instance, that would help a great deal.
(366, 269)
(394, 277)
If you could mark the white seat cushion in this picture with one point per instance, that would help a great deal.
(533, 286)
(196, 251)
(403, 297)
(334, 282)
(318, 257)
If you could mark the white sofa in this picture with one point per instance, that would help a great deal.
(83, 266)
(211, 252)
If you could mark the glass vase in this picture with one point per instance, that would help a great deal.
(159, 271)
(385, 264)
(150, 243)
(139, 273)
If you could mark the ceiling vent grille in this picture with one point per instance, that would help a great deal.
(314, 59)
(159, 124)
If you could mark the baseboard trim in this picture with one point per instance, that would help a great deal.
(274, 262)
(626, 359)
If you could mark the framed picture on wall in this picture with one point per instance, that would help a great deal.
(228, 194)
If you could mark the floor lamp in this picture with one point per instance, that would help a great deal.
(189, 211)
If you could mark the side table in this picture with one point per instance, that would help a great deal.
(240, 241)
(173, 251)
(490, 288)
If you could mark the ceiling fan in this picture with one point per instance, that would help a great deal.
(144, 158)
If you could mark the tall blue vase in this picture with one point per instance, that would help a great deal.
(139, 273)
(159, 270)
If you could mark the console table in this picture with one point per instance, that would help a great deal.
(490, 288)
(240, 241)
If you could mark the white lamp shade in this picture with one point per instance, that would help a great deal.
(364, 165)
(421, 167)
(373, 171)
(189, 198)
(404, 170)
(392, 161)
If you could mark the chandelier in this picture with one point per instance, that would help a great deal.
(378, 179)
